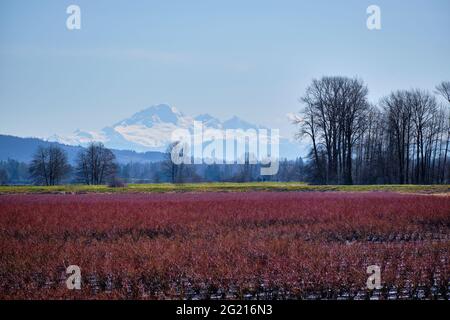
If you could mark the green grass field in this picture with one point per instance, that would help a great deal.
(225, 187)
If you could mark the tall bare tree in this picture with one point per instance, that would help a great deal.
(49, 165)
(96, 164)
(398, 112)
(334, 117)
(443, 89)
(174, 172)
(309, 127)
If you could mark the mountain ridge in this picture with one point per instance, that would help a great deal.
(22, 150)
(150, 129)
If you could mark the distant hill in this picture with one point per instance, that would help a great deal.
(22, 149)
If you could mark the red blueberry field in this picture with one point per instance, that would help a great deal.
(249, 245)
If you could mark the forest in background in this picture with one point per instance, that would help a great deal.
(404, 139)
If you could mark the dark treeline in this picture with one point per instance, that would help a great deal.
(403, 139)
(166, 172)
(17, 173)
(14, 172)
(96, 165)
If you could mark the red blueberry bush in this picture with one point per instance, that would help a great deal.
(255, 245)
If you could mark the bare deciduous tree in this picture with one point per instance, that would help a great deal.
(49, 166)
(333, 118)
(171, 170)
(406, 140)
(398, 112)
(444, 90)
(96, 164)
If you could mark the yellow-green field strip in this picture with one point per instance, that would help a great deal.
(224, 187)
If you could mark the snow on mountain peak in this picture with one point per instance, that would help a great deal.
(161, 113)
(209, 121)
(237, 123)
(150, 129)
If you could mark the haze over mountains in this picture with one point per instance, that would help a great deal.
(151, 129)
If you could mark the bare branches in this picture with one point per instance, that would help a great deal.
(49, 166)
(333, 116)
(444, 90)
(406, 140)
(96, 164)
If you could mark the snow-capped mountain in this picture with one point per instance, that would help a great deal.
(151, 130)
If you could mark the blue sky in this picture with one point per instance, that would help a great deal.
(252, 59)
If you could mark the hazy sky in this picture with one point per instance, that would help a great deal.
(252, 59)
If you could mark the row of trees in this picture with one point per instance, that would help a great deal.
(95, 165)
(288, 171)
(404, 139)
(13, 171)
